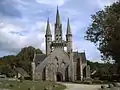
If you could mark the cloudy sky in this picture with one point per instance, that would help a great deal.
(22, 23)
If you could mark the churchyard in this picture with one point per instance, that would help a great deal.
(73, 69)
(47, 85)
(29, 85)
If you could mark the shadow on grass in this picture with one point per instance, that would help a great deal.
(31, 85)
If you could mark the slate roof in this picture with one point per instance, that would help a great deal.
(39, 58)
(75, 55)
(81, 55)
(22, 71)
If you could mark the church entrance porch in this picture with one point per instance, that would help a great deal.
(59, 77)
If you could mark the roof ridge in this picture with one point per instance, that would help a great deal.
(41, 54)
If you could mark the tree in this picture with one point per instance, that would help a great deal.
(23, 59)
(101, 68)
(105, 32)
(6, 66)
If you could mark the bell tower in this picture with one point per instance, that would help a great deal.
(69, 38)
(48, 38)
(58, 28)
(69, 49)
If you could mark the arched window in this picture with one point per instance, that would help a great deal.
(63, 64)
(56, 58)
(66, 74)
(56, 38)
(57, 65)
(78, 69)
(44, 74)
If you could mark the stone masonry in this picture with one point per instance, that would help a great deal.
(58, 64)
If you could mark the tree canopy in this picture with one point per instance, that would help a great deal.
(23, 59)
(105, 32)
(102, 68)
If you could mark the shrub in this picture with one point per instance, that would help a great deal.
(103, 87)
(11, 85)
(87, 79)
(97, 81)
(79, 82)
(87, 82)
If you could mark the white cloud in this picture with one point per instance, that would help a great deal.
(13, 42)
(7, 39)
(103, 3)
(89, 48)
(30, 28)
(52, 2)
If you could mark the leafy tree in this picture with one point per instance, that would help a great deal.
(105, 32)
(23, 59)
(101, 68)
(6, 66)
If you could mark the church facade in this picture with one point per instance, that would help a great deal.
(58, 64)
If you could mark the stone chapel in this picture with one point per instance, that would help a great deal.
(59, 64)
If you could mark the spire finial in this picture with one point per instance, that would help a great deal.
(57, 7)
(48, 20)
(48, 31)
(57, 17)
(68, 27)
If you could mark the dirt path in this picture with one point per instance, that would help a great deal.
(71, 86)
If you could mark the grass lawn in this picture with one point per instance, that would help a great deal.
(29, 85)
(115, 88)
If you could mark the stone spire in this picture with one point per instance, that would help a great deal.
(69, 37)
(58, 28)
(57, 17)
(48, 31)
(68, 28)
(48, 38)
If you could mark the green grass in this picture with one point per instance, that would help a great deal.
(25, 85)
(115, 88)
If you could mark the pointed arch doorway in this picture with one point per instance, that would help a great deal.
(59, 77)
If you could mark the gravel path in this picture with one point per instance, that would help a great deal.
(71, 86)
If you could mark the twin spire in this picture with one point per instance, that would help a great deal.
(68, 28)
(57, 17)
(48, 31)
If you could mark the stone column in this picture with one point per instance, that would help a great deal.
(81, 72)
(87, 71)
(33, 71)
(69, 73)
(81, 69)
(75, 74)
(54, 74)
(72, 67)
(63, 76)
(46, 72)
